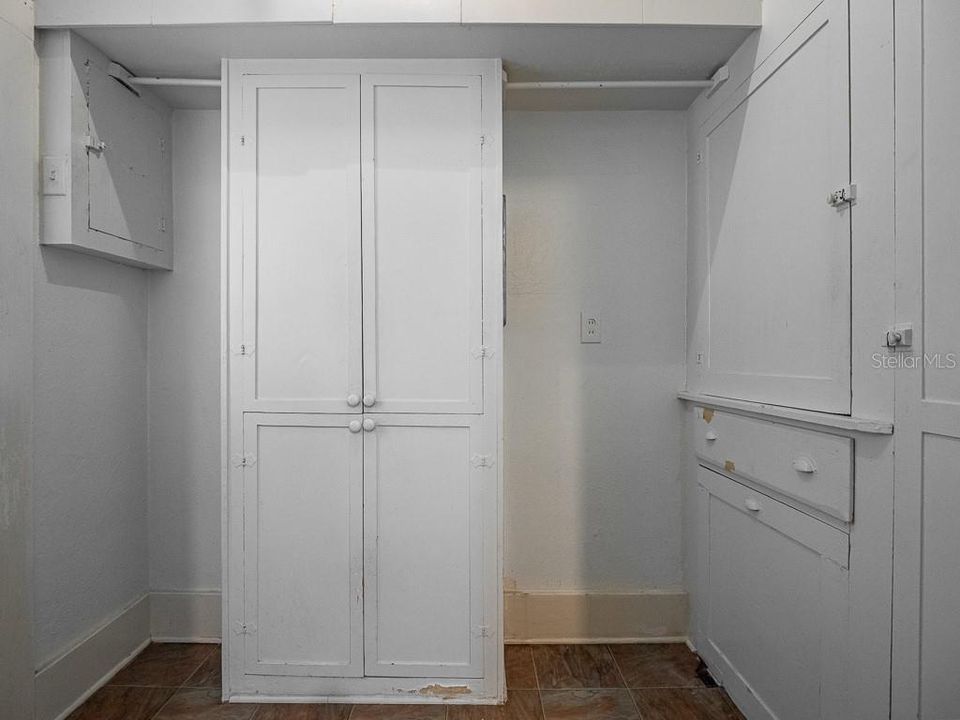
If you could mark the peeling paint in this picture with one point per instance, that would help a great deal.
(444, 691)
(707, 414)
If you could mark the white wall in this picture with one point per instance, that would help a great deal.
(184, 400)
(596, 207)
(90, 444)
(18, 160)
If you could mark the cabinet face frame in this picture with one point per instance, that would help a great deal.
(237, 684)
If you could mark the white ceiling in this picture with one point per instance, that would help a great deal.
(530, 53)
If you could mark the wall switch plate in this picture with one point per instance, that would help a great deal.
(590, 327)
(54, 175)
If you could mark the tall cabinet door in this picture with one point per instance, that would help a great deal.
(302, 303)
(303, 545)
(422, 246)
(423, 497)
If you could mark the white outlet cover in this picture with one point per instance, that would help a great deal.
(590, 328)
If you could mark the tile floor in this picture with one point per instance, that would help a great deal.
(545, 682)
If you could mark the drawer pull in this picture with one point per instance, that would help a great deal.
(751, 504)
(805, 465)
(711, 435)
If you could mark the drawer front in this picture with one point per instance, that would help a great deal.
(811, 467)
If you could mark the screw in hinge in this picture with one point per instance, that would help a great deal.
(162, 225)
(243, 140)
(482, 352)
(481, 461)
(483, 139)
(163, 147)
(699, 158)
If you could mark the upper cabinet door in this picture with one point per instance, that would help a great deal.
(778, 293)
(422, 246)
(300, 177)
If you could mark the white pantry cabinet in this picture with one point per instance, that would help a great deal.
(363, 338)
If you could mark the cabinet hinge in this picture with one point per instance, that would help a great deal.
(243, 461)
(240, 628)
(162, 224)
(842, 196)
(482, 631)
(483, 352)
(245, 349)
(243, 140)
(483, 140)
(92, 144)
(481, 461)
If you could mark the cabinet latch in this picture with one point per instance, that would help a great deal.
(842, 196)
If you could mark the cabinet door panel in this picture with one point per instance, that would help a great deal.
(775, 589)
(423, 547)
(303, 561)
(422, 247)
(302, 302)
(779, 255)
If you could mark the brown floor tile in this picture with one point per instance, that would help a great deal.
(520, 705)
(607, 704)
(657, 666)
(519, 664)
(208, 674)
(203, 704)
(575, 666)
(398, 712)
(294, 711)
(163, 665)
(685, 704)
(122, 703)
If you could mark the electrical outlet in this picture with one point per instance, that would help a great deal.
(590, 327)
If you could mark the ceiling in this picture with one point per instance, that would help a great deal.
(530, 53)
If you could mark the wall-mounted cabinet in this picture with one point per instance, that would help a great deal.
(106, 180)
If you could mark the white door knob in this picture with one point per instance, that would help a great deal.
(355, 426)
(711, 435)
(369, 400)
(369, 424)
(353, 400)
(751, 504)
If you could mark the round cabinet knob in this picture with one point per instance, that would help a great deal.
(355, 426)
(751, 504)
(805, 465)
(353, 400)
(369, 400)
(710, 436)
(369, 424)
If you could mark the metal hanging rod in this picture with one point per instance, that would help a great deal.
(609, 84)
(172, 82)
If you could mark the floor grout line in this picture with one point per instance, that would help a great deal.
(623, 679)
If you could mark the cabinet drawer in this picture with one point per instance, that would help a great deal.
(811, 467)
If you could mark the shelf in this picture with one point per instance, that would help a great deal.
(793, 415)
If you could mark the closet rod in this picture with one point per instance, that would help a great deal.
(601, 84)
(172, 82)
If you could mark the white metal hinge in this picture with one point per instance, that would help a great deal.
(483, 352)
(162, 225)
(243, 140)
(481, 461)
(163, 147)
(240, 628)
(483, 140)
(243, 461)
(482, 631)
(842, 196)
(245, 349)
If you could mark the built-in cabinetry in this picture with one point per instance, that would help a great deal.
(363, 337)
(773, 564)
(106, 158)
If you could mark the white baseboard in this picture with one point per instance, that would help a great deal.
(185, 616)
(64, 683)
(654, 616)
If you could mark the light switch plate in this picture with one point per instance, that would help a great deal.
(54, 175)
(590, 327)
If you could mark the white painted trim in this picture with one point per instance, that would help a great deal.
(180, 616)
(803, 418)
(643, 617)
(67, 681)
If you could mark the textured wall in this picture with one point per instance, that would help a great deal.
(596, 208)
